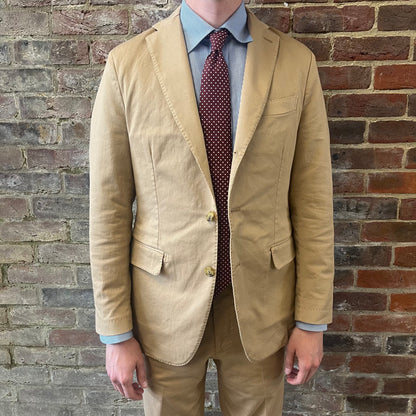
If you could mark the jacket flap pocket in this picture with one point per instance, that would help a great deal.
(283, 253)
(147, 258)
(281, 105)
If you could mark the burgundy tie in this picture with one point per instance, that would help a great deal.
(215, 115)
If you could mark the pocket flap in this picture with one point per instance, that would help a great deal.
(281, 105)
(283, 253)
(147, 258)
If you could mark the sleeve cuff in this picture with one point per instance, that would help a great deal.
(116, 339)
(311, 327)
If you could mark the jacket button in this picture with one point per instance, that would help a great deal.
(211, 216)
(209, 271)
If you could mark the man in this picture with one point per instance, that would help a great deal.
(221, 137)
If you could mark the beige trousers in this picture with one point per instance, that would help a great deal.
(245, 388)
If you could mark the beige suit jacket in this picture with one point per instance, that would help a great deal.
(147, 143)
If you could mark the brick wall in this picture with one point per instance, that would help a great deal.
(51, 57)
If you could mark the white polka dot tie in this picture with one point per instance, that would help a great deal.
(215, 115)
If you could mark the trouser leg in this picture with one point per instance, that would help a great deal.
(245, 388)
(179, 390)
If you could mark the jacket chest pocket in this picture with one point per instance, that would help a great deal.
(281, 106)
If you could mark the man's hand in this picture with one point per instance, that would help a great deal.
(121, 361)
(307, 348)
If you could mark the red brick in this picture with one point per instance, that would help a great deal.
(394, 77)
(343, 279)
(376, 404)
(340, 323)
(332, 362)
(392, 182)
(388, 279)
(16, 253)
(348, 182)
(348, 256)
(90, 22)
(381, 364)
(402, 17)
(371, 48)
(405, 256)
(348, 385)
(367, 105)
(11, 158)
(408, 209)
(359, 301)
(55, 107)
(347, 131)
(73, 337)
(20, 22)
(411, 159)
(40, 52)
(41, 275)
(54, 159)
(412, 103)
(345, 77)
(359, 208)
(384, 323)
(13, 208)
(399, 386)
(333, 19)
(278, 18)
(403, 302)
(321, 47)
(78, 81)
(100, 50)
(392, 131)
(389, 231)
(26, 80)
(142, 18)
(347, 232)
(367, 158)
(91, 357)
(33, 231)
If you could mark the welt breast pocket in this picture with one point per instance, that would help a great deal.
(281, 106)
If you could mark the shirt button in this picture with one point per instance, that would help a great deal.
(209, 271)
(211, 216)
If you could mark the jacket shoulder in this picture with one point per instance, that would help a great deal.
(134, 48)
(130, 49)
(296, 49)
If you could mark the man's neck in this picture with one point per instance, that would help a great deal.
(214, 12)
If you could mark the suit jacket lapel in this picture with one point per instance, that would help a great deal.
(258, 74)
(170, 61)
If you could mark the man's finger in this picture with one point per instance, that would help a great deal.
(132, 393)
(141, 372)
(289, 361)
(299, 377)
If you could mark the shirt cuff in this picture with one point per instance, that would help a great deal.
(116, 339)
(311, 327)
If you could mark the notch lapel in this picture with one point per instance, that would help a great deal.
(258, 74)
(170, 61)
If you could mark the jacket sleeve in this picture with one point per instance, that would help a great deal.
(111, 198)
(311, 208)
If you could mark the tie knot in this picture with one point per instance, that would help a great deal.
(218, 39)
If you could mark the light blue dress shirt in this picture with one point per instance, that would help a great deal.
(196, 31)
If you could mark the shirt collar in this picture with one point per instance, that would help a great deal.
(195, 28)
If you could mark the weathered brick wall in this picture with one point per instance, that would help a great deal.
(51, 57)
